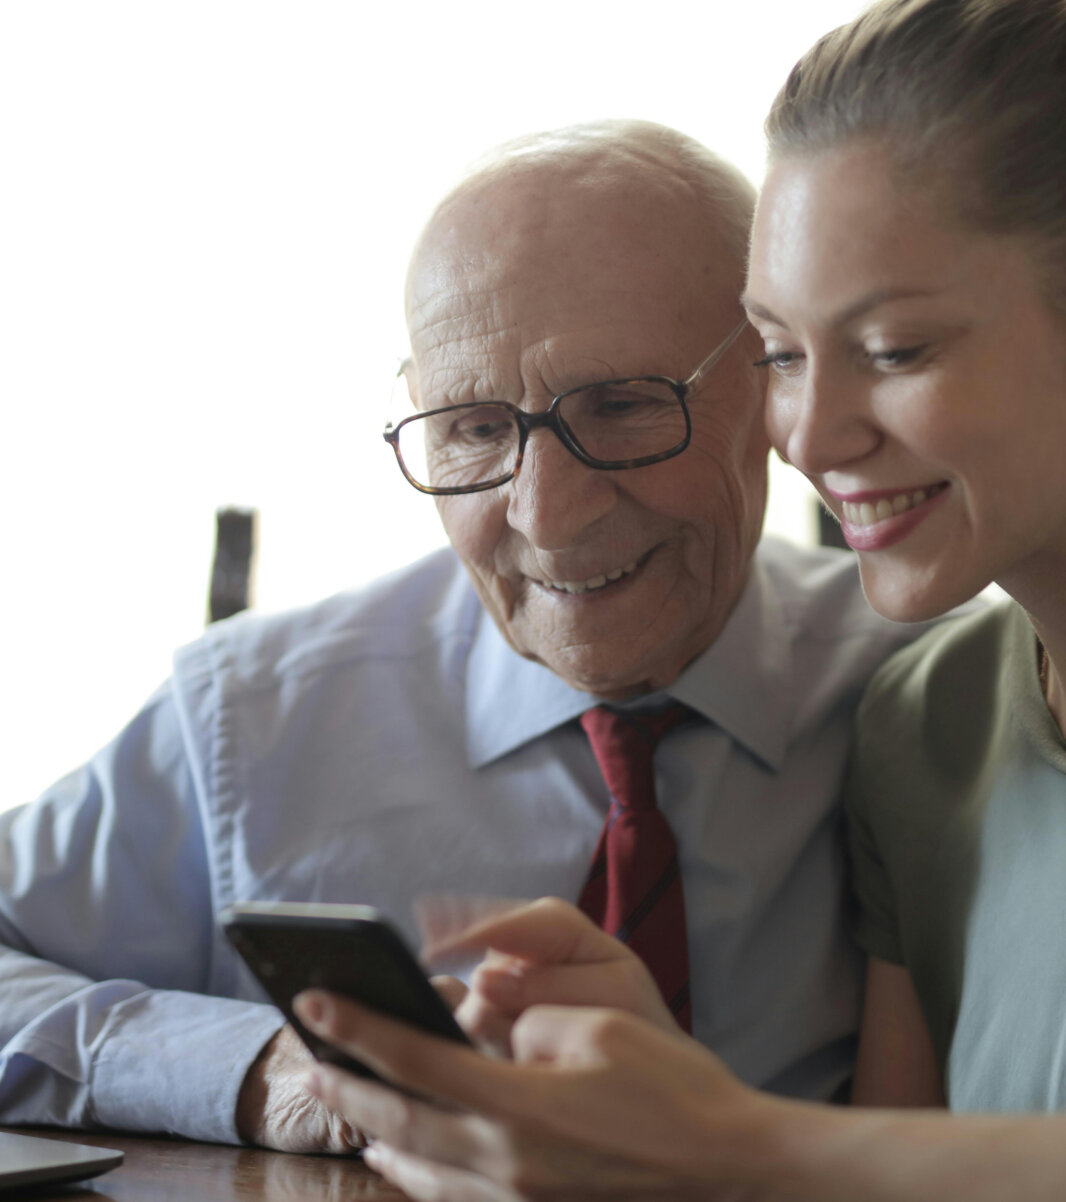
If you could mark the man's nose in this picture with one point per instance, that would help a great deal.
(555, 496)
(821, 422)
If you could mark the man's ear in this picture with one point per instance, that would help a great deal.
(403, 394)
(408, 373)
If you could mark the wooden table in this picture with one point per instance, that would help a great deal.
(174, 1170)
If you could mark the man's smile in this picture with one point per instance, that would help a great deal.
(593, 583)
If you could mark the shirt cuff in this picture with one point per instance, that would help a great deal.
(174, 1062)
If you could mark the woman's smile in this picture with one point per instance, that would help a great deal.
(887, 518)
(902, 348)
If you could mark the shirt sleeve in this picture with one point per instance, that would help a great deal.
(874, 918)
(106, 935)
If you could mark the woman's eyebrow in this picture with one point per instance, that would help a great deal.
(872, 300)
(750, 305)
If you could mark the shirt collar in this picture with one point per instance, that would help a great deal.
(739, 683)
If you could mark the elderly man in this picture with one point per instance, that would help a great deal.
(590, 423)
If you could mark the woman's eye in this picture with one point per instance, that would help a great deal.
(783, 363)
(896, 357)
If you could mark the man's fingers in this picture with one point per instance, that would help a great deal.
(546, 931)
(276, 1112)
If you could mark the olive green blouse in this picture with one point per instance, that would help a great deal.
(957, 804)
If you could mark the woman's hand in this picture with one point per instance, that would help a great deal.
(597, 1104)
(547, 952)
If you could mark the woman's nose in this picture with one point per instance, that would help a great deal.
(820, 421)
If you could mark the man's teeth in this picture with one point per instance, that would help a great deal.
(867, 513)
(585, 586)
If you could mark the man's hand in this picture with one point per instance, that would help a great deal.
(275, 1111)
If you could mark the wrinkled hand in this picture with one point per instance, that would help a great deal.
(597, 1104)
(275, 1111)
(547, 952)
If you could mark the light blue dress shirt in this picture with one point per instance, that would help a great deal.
(386, 744)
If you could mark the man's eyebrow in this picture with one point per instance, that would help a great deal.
(872, 300)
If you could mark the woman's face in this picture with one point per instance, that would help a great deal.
(917, 376)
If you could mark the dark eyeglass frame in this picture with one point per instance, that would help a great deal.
(550, 418)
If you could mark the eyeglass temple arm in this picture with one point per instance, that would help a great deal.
(697, 376)
(401, 371)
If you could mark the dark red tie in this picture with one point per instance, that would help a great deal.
(633, 889)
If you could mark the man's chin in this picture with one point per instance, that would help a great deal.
(619, 656)
(604, 676)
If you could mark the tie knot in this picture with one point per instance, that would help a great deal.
(624, 745)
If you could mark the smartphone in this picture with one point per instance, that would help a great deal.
(351, 950)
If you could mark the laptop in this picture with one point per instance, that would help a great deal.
(28, 1160)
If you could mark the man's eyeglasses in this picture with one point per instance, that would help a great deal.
(611, 425)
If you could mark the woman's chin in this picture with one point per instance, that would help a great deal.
(899, 597)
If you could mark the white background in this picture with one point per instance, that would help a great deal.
(205, 214)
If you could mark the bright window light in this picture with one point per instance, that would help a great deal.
(204, 223)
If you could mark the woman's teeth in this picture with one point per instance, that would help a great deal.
(585, 586)
(867, 513)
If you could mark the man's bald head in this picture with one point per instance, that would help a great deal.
(597, 253)
(626, 180)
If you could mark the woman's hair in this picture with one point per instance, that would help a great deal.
(968, 92)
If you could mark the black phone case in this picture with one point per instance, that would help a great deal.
(363, 959)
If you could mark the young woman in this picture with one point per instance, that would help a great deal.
(908, 275)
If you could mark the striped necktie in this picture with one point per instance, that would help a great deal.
(633, 889)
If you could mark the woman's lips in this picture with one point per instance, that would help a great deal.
(873, 521)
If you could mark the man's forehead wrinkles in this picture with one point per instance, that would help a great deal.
(446, 371)
(460, 314)
(456, 288)
(455, 330)
(459, 356)
(454, 335)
